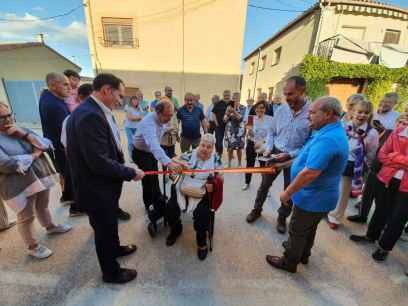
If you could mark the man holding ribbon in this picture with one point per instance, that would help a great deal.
(146, 154)
(286, 136)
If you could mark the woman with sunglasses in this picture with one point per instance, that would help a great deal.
(26, 177)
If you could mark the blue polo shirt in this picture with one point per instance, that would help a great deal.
(326, 151)
(190, 122)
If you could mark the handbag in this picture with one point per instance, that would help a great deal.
(192, 187)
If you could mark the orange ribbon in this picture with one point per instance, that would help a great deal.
(253, 170)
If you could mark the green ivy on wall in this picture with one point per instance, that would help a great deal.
(319, 71)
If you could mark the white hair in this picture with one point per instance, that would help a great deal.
(329, 103)
(208, 138)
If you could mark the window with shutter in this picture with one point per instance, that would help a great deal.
(118, 32)
(276, 56)
(392, 37)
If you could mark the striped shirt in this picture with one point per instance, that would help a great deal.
(289, 130)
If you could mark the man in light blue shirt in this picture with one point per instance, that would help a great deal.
(147, 153)
(314, 188)
(287, 135)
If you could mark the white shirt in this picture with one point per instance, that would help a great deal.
(111, 120)
(64, 132)
(388, 120)
(148, 135)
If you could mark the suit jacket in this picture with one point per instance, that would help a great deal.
(96, 163)
(53, 111)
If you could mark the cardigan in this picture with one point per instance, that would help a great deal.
(15, 188)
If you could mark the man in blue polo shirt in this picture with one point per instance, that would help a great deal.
(190, 117)
(315, 180)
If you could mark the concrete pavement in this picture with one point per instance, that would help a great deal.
(339, 272)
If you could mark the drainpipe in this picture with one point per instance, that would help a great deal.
(317, 40)
(88, 4)
(256, 73)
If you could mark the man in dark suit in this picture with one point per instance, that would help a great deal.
(96, 158)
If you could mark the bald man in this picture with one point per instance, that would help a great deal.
(147, 152)
(53, 111)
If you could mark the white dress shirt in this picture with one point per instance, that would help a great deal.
(111, 120)
(148, 135)
(388, 120)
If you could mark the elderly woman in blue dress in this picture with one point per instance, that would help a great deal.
(193, 188)
(26, 177)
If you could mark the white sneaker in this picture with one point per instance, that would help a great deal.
(40, 252)
(59, 229)
(404, 236)
(333, 220)
(245, 187)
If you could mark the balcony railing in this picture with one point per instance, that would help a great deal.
(134, 43)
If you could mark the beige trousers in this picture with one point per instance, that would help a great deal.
(337, 215)
(4, 222)
(36, 204)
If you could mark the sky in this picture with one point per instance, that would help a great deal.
(68, 34)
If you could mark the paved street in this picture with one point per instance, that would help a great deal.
(339, 272)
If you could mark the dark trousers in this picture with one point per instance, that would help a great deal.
(302, 233)
(211, 127)
(219, 139)
(170, 150)
(69, 192)
(150, 183)
(60, 162)
(250, 159)
(187, 143)
(390, 214)
(105, 225)
(368, 194)
(266, 183)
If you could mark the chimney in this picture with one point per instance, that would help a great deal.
(40, 38)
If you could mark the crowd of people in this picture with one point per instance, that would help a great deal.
(327, 156)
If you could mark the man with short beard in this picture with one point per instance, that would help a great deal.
(287, 135)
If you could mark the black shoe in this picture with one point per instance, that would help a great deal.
(174, 234)
(125, 250)
(124, 276)
(281, 225)
(278, 262)
(152, 229)
(303, 260)
(123, 215)
(380, 255)
(253, 215)
(202, 253)
(357, 219)
(65, 201)
(361, 239)
(76, 213)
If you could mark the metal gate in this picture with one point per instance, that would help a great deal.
(23, 97)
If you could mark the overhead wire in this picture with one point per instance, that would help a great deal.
(69, 12)
(274, 9)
